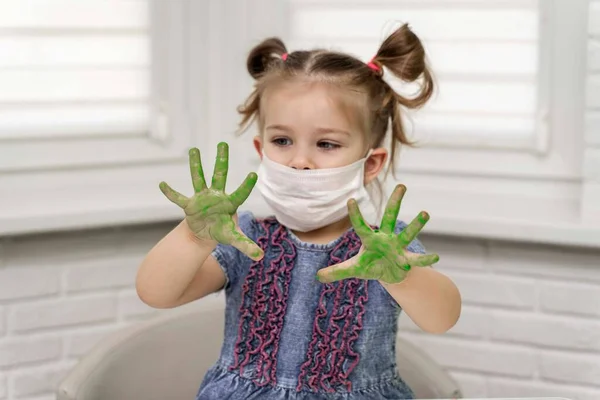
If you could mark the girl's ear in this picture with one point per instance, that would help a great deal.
(375, 163)
(258, 145)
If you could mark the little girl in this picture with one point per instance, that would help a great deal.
(313, 294)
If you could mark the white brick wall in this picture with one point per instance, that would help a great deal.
(59, 295)
(530, 323)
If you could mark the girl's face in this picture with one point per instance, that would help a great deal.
(305, 127)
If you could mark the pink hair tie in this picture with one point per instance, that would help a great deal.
(284, 56)
(373, 66)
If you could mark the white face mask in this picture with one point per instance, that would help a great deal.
(304, 200)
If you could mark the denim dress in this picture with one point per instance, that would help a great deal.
(290, 337)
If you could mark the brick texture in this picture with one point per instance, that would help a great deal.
(19, 282)
(565, 367)
(490, 290)
(18, 351)
(63, 312)
(544, 330)
(570, 298)
(105, 273)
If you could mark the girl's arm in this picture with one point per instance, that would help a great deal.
(178, 270)
(429, 298)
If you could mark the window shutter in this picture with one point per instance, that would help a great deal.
(74, 68)
(484, 55)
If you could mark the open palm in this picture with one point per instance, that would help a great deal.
(210, 211)
(383, 255)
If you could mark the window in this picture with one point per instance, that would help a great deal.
(105, 97)
(500, 143)
(485, 58)
(61, 77)
(77, 85)
(92, 101)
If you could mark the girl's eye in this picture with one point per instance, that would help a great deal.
(328, 145)
(281, 141)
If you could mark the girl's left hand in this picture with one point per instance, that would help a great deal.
(383, 255)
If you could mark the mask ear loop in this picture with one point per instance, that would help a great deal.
(365, 159)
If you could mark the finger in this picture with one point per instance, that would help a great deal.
(196, 170)
(413, 229)
(423, 260)
(221, 164)
(173, 195)
(388, 221)
(362, 229)
(344, 270)
(238, 197)
(247, 246)
(241, 242)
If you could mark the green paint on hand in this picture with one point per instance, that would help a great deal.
(209, 212)
(384, 257)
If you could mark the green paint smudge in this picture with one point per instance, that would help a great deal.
(384, 257)
(209, 212)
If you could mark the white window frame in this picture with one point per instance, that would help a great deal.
(159, 143)
(550, 154)
(79, 183)
(69, 183)
(532, 192)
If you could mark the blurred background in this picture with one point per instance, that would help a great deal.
(101, 100)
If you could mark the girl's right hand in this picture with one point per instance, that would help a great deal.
(210, 213)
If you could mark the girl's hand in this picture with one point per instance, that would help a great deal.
(210, 213)
(383, 255)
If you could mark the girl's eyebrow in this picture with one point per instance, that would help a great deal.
(331, 130)
(318, 131)
(279, 128)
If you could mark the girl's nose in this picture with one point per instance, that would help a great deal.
(301, 161)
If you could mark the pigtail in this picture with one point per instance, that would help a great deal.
(261, 59)
(264, 55)
(402, 54)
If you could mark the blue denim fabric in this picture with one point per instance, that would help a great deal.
(366, 339)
